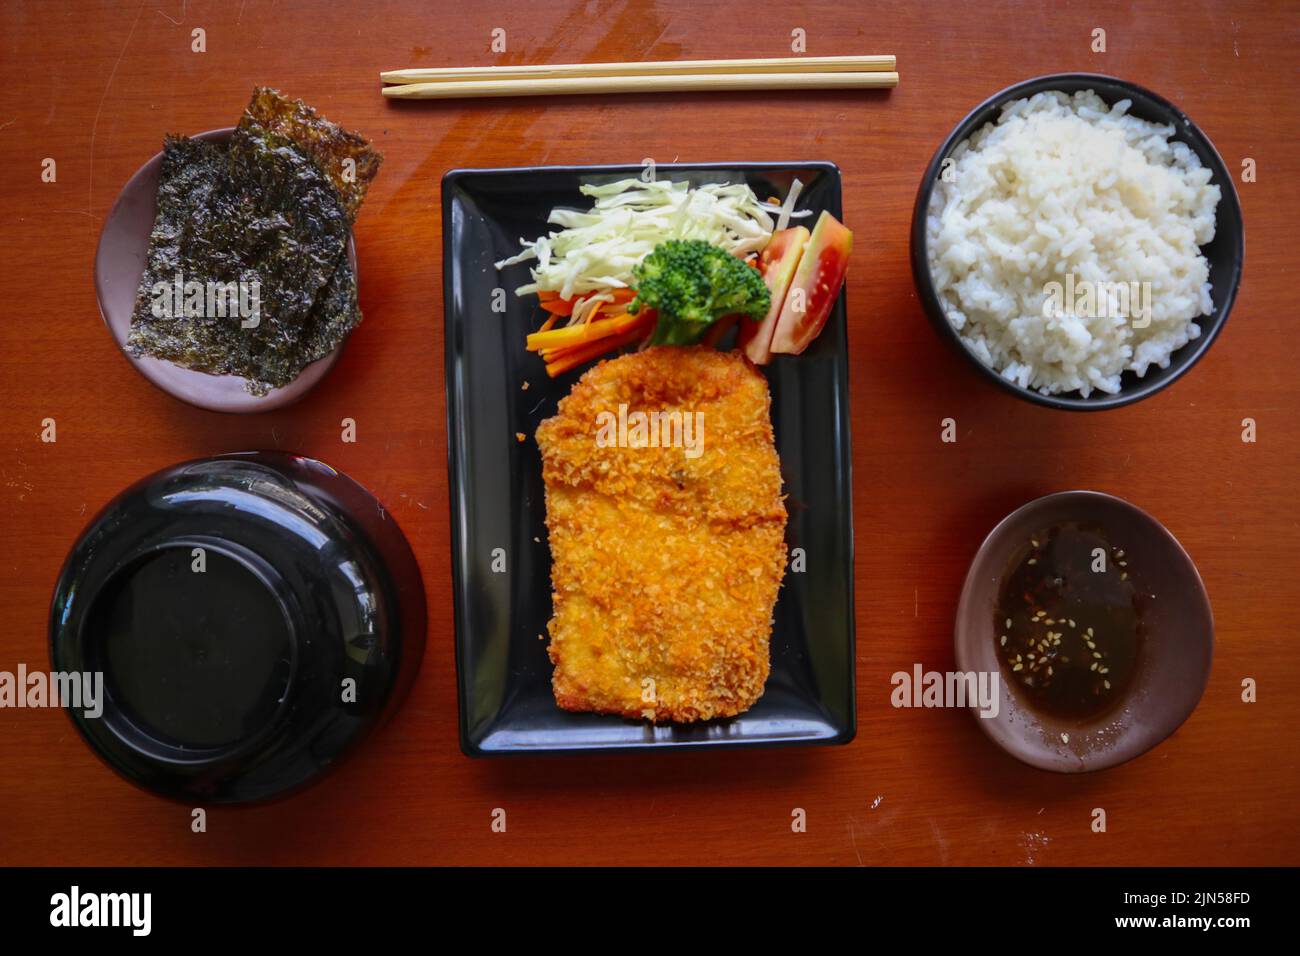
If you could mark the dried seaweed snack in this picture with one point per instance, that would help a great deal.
(191, 170)
(347, 158)
(270, 217)
(334, 315)
(279, 214)
(272, 225)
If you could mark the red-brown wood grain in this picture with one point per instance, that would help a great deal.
(96, 85)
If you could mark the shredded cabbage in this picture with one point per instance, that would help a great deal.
(595, 251)
(787, 207)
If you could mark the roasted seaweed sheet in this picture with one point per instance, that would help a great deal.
(269, 215)
(346, 158)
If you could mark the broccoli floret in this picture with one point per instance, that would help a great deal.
(692, 284)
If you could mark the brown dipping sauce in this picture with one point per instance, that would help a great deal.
(1069, 630)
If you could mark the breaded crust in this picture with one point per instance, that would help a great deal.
(665, 567)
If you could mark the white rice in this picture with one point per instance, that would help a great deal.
(1065, 184)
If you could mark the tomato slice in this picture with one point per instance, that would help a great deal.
(816, 286)
(779, 259)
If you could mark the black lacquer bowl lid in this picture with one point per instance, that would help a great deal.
(254, 617)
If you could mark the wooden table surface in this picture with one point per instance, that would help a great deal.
(96, 85)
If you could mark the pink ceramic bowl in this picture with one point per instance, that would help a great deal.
(119, 266)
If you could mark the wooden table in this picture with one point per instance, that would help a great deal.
(96, 85)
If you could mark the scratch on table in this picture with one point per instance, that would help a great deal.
(941, 842)
(94, 127)
(853, 837)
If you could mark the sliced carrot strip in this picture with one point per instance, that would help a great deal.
(572, 335)
(576, 356)
(643, 324)
(558, 306)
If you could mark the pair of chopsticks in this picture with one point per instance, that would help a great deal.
(782, 73)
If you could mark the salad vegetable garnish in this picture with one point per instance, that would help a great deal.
(662, 263)
(595, 251)
(691, 285)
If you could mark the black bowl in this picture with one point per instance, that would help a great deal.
(1224, 254)
(254, 617)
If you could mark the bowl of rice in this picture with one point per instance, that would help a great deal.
(1079, 240)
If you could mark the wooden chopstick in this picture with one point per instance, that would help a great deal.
(790, 64)
(643, 84)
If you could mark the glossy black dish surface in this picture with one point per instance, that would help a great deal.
(254, 616)
(497, 494)
(1225, 254)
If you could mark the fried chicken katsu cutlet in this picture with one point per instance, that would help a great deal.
(668, 540)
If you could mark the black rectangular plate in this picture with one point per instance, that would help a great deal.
(498, 500)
